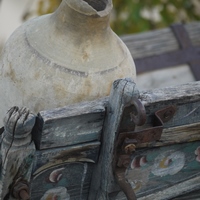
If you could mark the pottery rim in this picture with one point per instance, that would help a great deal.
(82, 6)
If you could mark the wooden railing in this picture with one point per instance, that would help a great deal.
(179, 44)
(129, 145)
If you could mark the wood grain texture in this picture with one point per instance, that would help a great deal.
(176, 135)
(67, 181)
(121, 94)
(185, 97)
(65, 172)
(45, 159)
(17, 151)
(183, 127)
(194, 195)
(184, 93)
(164, 173)
(159, 41)
(171, 192)
(83, 122)
(72, 124)
(186, 54)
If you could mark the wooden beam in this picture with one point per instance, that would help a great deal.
(70, 125)
(121, 94)
(168, 59)
(159, 42)
(164, 48)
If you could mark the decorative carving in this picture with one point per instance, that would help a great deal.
(17, 151)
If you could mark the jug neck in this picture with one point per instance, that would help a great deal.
(81, 19)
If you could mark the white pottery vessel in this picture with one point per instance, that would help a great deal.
(62, 58)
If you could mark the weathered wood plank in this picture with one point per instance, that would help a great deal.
(123, 91)
(186, 54)
(83, 122)
(159, 41)
(173, 191)
(176, 135)
(184, 93)
(64, 173)
(17, 151)
(151, 43)
(164, 173)
(194, 195)
(72, 124)
(67, 181)
(185, 97)
(45, 159)
(170, 59)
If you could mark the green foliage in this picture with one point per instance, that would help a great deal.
(129, 15)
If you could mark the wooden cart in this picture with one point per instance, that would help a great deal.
(132, 144)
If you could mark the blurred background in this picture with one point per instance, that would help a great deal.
(128, 16)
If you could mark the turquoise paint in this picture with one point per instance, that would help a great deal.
(190, 169)
(63, 182)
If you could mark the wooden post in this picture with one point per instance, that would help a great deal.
(123, 91)
(17, 150)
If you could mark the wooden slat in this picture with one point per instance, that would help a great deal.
(87, 152)
(151, 43)
(66, 181)
(181, 188)
(183, 127)
(121, 94)
(83, 122)
(159, 41)
(168, 59)
(185, 93)
(181, 35)
(185, 97)
(72, 124)
(185, 43)
(169, 193)
(164, 48)
(154, 180)
(176, 135)
(64, 171)
(194, 195)
(17, 152)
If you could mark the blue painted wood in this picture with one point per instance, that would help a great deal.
(70, 125)
(64, 173)
(154, 170)
(69, 181)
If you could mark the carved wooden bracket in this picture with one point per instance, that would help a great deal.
(17, 151)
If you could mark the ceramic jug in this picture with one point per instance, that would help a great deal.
(69, 56)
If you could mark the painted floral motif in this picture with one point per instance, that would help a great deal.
(58, 193)
(197, 153)
(138, 178)
(56, 175)
(168, 163)
(138, 161)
